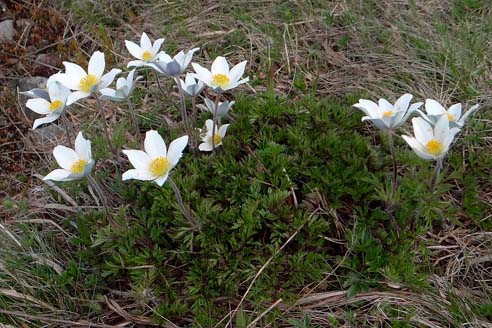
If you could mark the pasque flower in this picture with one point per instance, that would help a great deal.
(75, 164)
(145, 53)
(155, 163)
(191, 86)
(210, 139)
(220, 78)
(85, 83)
(124, 88)
(434, 110)
(221, 110)
(50, 103)
(431, 142)
(385, 115)
(175, 66)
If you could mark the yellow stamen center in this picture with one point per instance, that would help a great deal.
(88, 82)
(147, 55)
(55, 105)
(434, 147)
(220, 80)
(451, 117)
(217, 139)
(78, 166)
(388, 113)
(159, 166)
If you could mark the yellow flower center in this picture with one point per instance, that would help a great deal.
(147, 55)
(159, 166)
(451, 117)
(388, 113)
(220, 80)
(217, 139)
(55, 105)
(434, 147)
(78, 166)
(88, 82)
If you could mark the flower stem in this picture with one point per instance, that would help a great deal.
(105, 126)
(159, 83)
(133, 118)
(197, 225)
(95, 185)
(215, 120)
(195, 114)
(183, 110)
(395, 167)
(68, 128)
(436, 173)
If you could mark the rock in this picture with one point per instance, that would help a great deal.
(46, 137)
(45, 64)
(26, 84)
(7, 30)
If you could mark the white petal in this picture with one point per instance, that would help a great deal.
(209, 124)
(44, 120)
(76, 96)
(220, 66)
(417, 147)
(160, 180)
(157, 45)
(65, 157)
(97, 64)
(423, 131)
(384, 106)
(74, 71)
(202, 73)
(145, 43)
(70, 81)
(379, 123)
(139, 159)
(441, 130)
(176, 150)
(137, 175)
(154, 144)
(223, 130)
(39, 105)
(369, 107)
(455, 110)
(134, 49)
(468, 113)
(432, 107)
(403, 102)
(136, 63)
(237, 71)
(108, 78)
(205, 146)
(83, 147)
(58, 175)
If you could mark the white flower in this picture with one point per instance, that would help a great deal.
(75, 164)
(434, 110)
(175, 66)
(208, 140)
(155, 163)
(85, 83)
(146, 52)
(51, 106)
(39, 92)
(385, 115)
(191, 86)
(431, 142)
(124, 88)
(222, 109)
(219, 77)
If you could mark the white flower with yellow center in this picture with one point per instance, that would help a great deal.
(434, 110)
(124, 88)
(220, 78)
(431, 142)
(75, 164)
(221, 110)
(209, 139)
(175, 66)
(85, 83)
(145, 53)
(155, 163)
(50, 104)
(385, 115)
(191, 86)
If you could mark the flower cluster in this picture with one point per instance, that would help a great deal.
(155, 163)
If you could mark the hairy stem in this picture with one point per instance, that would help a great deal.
(95, 185)
(215, 120)
(194, 223)
(133, 118)
(69, 131)
(183, 108)
(395, 167)
(105, 126)
(159, 83)
(436, 173)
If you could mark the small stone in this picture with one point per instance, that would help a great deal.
(45, 64)
(7, 30)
